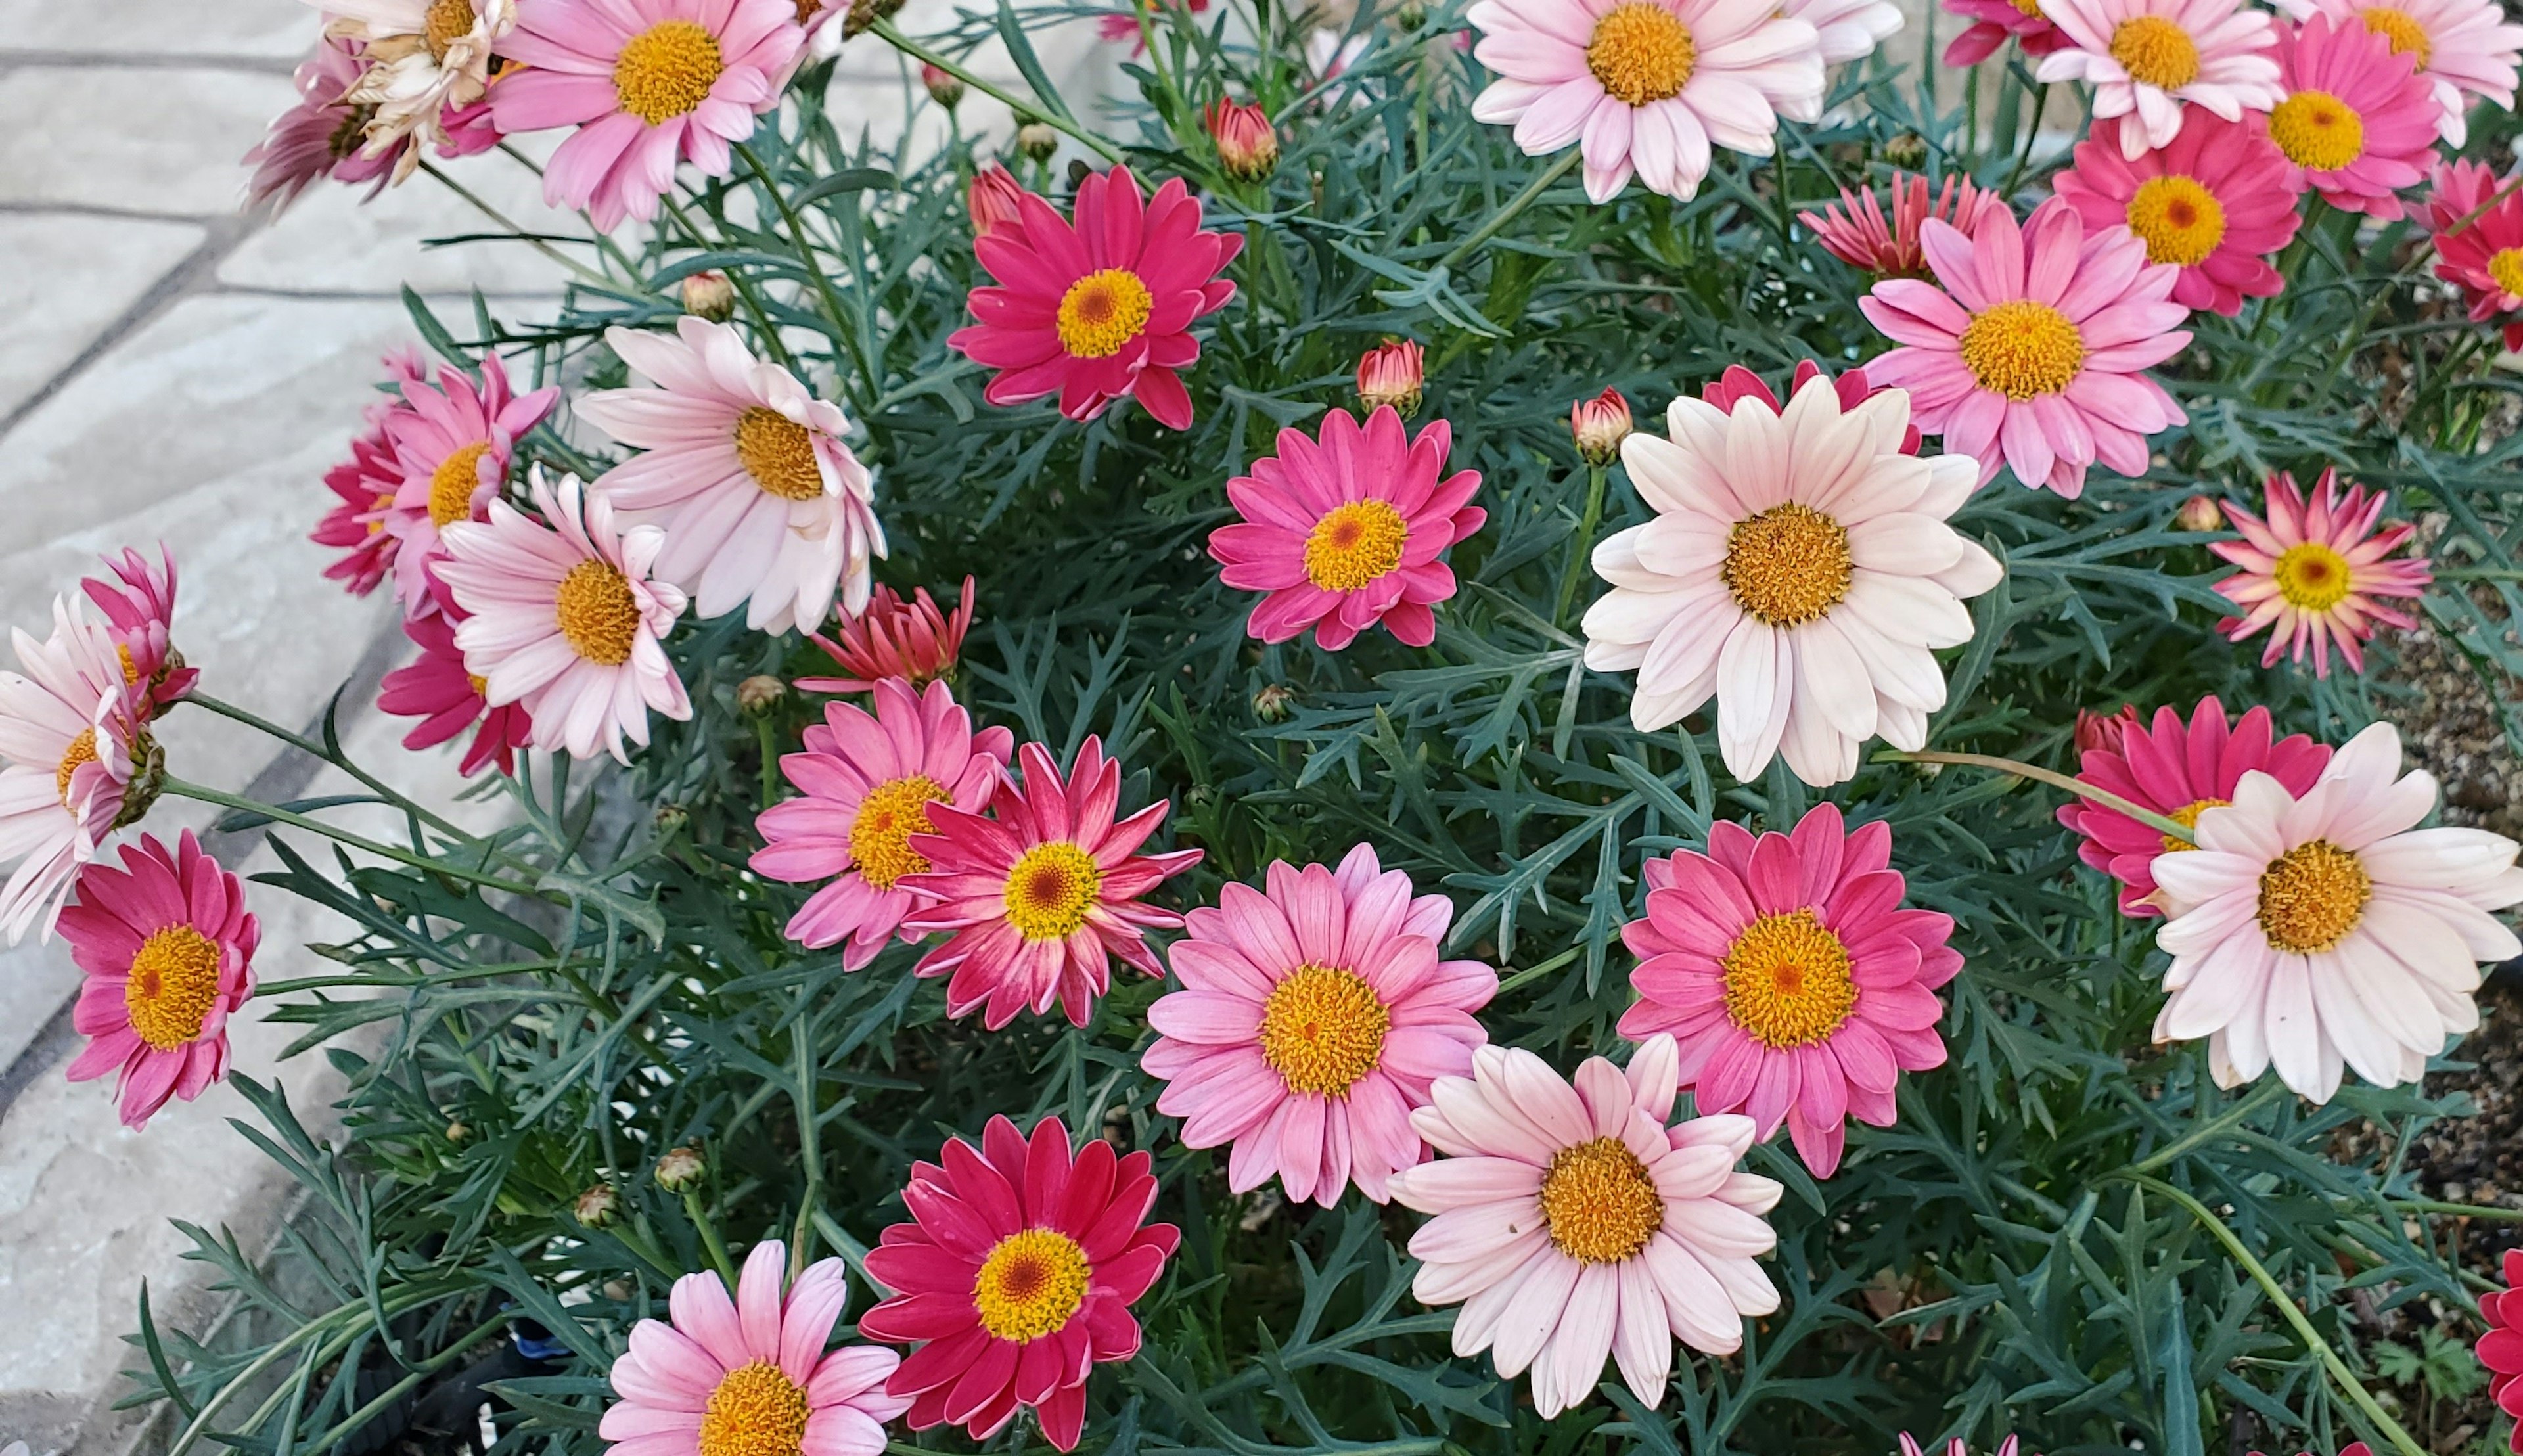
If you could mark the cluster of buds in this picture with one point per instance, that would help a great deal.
(1394, 372)
(1599, 425)
(1246, 145)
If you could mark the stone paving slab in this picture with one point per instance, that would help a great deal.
(68, 277)
(272, 29)
(99, 136)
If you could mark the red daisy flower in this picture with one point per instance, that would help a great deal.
(2486, 258)
(437, 688)
(2500, 1350)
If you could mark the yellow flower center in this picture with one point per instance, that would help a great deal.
(2030, 8)
(1355, 544)
(2312, 895)
(2408, 36)
(2022, 349)
(2187, 816)
(2313, 577)
(667, 71)
(2318, 130)
(779, 454)
(452, 484)
(881, 836)
(1323, 1029)
(1788, 981)
(381, 503)
(1030, 1284)
(2180, 220)
(1601, 1206)
(1787, 565)
(2505, 265)
(2156, 51)
(480, 684)
(445, 22)
(755, 1411)
(175, 979)
(130, 666)
(82, 750)
(1641, 52)
(598, 616)
(1102, 312)
(1050, 890)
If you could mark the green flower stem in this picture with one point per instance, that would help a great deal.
(2171, 829)
(2457, 1210)
(810, 1149)
(313, 749)
(1036, 110)
(770, 760)
(2214, 1128)
(711, 1244)
(586, 274)
(1568, 160)
(187, 791)
(824, 290)
(1582, 547)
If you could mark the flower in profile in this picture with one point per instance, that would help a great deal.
(1958, 1447)
(167, 946)
(1846, 29)
(2216, 203)
(563, 618)
(2485, 258)
(1246, 145)
(2464, 49)
(320, 136)
(647, 86)
(2031, 347)
(750, 1373)
(1799, 569)
(2316, 931)
(139, 607)
(1038, 897)
(1573, 1225)
(2180, 771)
(420, 59)
(1097, 310)
(1392, 373)
(865, 784)
(2358, 121)
(911, 640)
(2099, 732)
(995, 202)
(1019, 1270)
(1855, 231)
(1345, 534)
(762, 502)
(1645, 87)
(1993, 23)
(2313, 573)
(2501, 1348)
(363, 488)
(451, 448)
(438, 689)
(1314, 1015)
(1852, 387)
(71, 739)
(1599, 425)
(2150, 60)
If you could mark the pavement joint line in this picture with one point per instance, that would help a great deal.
(146, 61)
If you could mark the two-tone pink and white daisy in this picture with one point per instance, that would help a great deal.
(1574, 1226)
(1800, 570)
(2217, 204)
(762, 501)
(565, 619)
(72, 737)
(365, 486)
(2466, 50)
(1314, 1015)
(1847, 31)
(139, 607)
(2031, 347)
(2358, 121)
(2150, 59)
(420, 59)
(2479, 241)
(1856, 231)
(438, 689)
(2314, 573)
(1645, 87)
(2325, 932)
(452, 446)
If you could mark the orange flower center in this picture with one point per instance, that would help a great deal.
(2505, 265)
(2022, 349)
(2312, 577)
(1355, 544)
(1051, 889)
(1323, 1029)
(1788, 981)
(779, 454)
(175, 979)
(2030, 8)
(381, 503)
(2156, 51)
(667, 71)
(881, 836)
(452, 484)
(2408, 36)
(598, 616)
(2312, 896)
(445, 22)
(1600, 1204)
(755, 1411)
(2187, 816)
(1030, 1284)
(82, 750)
(2318, 130)
(130, 665)
(1102, 312)
(2180, 220)
(1787, 565)
(1641, 52)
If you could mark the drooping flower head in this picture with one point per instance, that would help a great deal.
(2358, 121)
(1855, 231)
(2485, 255)
(421, 59)
(1098, 308)
(750, 1375)
(1852, 386)
(1019, 1270)
(1394, 372)
(1992, 22)
(168, 946)
(2324, 931)
(2150, 61)
(72, 738)
(321, 136)
(139, 607)
(1345, 533)
(2314, 574)
(1248, 146)
(2216, 203)
(2501, 1348)
(1314, 1016)
(1038, 897)
(2031, 345)
(363, 488)
(891, 637)
(1598, 425)
(2464, 49)
(1645, 87)
(866, 782)
(1573, 1225)
(438, 689)
(451, 448)
(1798, 569)
(2181, 770)
(1846, 31)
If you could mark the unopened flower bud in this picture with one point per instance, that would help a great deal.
(944, 87)
(709, 295)
(995, 202)
(457, 1132)
(2102, 732)
(1599, 425)
(1410, 15)
(1908, 149)
(1274, 703)
(1393, 372)
(1247, 146)
(681, 1168)
(757, 695)
(599, 1206)
(671, 819)
(1037, 140)
(2200, 513)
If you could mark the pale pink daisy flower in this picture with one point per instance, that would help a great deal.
(2029, 348)
(2358, 123)
(2147, 58)
(451, 448)
(2465, 49)
(1647, 86)
(1573, 1225)
(751, 1373)
(647, 83)
(2327, 930)
(71, 739)
(566, 620)
(1314, 1015)
(2314, 573)
(420, 59)
(1846, 29)
(139, 607)
(1855, 231)
(762, 502)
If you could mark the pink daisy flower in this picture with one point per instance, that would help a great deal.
(322, 135)
(2216, 203)
(1345, 534)
(866, 783)
(2313, 573)
(2486, 258)
(167, 946)
(2501, 1348)
(2031, 345)
(1846, 29)
(2464, 49)
(1097, 310)
(139, 608)
(647, 83)
(1854, 229)
(1018, 1269)
(1852, 387)
(2150, 60)
(452, 446)
(751, 1373)
(1992, 22)
(71, 738)
(1314, 1015)
(1574, 1226)
(438, 689)
(911, 640)
(1645, 87)
(2358, 121)
(1796, 988)
(426, 61)
(2180, 771)
(563, 618)
(363, 488)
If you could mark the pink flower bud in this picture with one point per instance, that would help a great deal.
(2200, 513)
(1247, 147)
(1392, 373)
(946, 88)
(2098, 732)
(709, 296)
(1599, 425)
(993, 199)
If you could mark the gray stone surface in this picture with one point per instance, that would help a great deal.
(68, 277)
(267, 30)
(99, 135)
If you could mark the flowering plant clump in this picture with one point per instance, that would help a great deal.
(1531, 727)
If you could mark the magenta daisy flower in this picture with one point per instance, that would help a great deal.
(322, 135)
(452, 446)
(1098, 308)
(2150, 61)
(2216, 203)
(70, 740)
(1038, 897)
(2358, 121)
(1345, 534)
(1314, 1015)
(2486, 256)
(139, 607)
(168, 946)
(1855, 231)
(2031, 347)
(438, 689)
(363, 488)
(912, 640)
(2314, 573)
(2465, 49)
(1852, 387)
(1993, 22)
